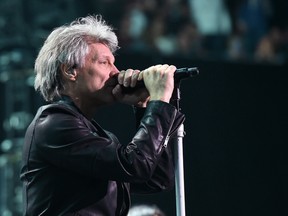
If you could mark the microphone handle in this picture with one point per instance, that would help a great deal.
(180, 73)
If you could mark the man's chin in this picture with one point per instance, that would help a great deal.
(108, 99)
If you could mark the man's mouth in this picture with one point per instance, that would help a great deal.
(112, 81)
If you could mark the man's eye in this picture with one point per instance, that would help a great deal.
(104, 62)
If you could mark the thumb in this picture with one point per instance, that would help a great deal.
(117, 92)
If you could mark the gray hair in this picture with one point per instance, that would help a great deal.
(68, 44)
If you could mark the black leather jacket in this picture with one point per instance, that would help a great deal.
(71, 166)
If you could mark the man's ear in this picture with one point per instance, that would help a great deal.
(68, 72)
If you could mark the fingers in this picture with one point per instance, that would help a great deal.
(128, 78)
(140, 76)
(170, 69)
(159, 81)
(162, 69)
(158, 72)
(117, 92)
(139, 98)
(156, 76)
(134, 78)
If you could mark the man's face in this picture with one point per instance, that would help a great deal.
(94, 78)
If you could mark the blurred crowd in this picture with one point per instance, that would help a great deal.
(242, 30)
(232, 30)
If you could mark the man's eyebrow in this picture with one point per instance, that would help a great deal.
(108, 57)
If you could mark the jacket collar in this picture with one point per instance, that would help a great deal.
(66, 100)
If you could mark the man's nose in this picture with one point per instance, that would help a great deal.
(114, 70)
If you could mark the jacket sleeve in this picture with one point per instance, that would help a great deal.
(63, 139)
(164, 175)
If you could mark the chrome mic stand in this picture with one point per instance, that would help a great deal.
(178, 141)
(178, 157)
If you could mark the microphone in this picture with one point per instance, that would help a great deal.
(179, 74)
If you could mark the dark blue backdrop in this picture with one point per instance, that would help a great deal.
(235, 145)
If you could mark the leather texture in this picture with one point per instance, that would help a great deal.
(72, 166)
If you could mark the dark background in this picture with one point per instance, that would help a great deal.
(235, 148)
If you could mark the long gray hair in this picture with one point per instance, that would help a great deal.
(68, 44)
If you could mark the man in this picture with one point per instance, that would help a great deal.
(71, 165)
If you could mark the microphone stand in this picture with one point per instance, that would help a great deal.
(178, 157)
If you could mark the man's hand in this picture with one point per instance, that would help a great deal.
(128, 79)
(158, 80)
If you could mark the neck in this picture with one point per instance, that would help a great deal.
(87, 108)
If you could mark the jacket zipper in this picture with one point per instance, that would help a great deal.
(168, 137)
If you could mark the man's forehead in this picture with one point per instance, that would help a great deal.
(101, 50)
